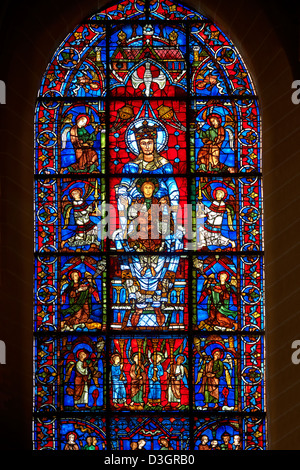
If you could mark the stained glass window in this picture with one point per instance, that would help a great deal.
(149, 267)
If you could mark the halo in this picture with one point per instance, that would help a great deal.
(85, 350)
(116, 354)
(214, 115)
(164, 438)
(222, 189)
(82, 346)
(215, 110)
(218, 349)
(76, 188)
(161, 139)
(136, 354)
(74, 434)
(96, 85)
(211, 348)
(181, 355)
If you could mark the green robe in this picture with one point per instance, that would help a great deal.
(76, 303)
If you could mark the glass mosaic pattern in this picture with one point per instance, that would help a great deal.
(149, 263)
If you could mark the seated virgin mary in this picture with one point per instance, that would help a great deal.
(148, 274)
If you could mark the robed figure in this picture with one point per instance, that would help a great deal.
(148, 280)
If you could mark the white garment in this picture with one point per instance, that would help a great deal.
(214, 220)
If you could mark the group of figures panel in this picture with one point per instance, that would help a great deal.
(226, 293)
(149, 375)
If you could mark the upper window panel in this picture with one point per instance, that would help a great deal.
(136, 9)
(145, 56)
(217, 67)
(162, 65)
(127, 10)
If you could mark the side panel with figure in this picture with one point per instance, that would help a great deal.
(82, 293)
(82, 373)
(216, 373)
(81, 215)
(215, 137)
(216, 216)
(217, 293)
(82, 138)
(149, 374)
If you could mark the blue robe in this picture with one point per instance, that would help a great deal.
(163, 172)
(118, 386)
(167, 186)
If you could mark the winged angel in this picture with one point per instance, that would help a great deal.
(218, 290)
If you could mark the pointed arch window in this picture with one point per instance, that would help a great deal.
(149, 271)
